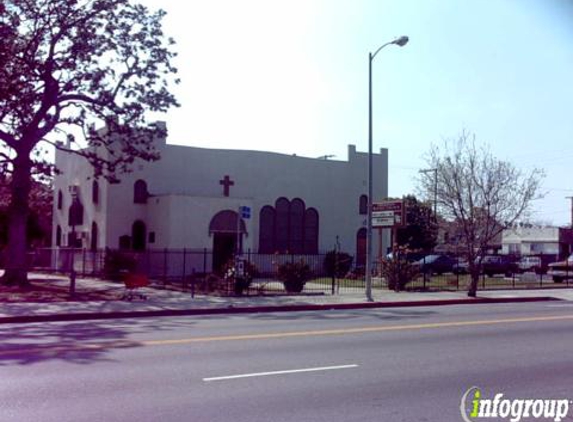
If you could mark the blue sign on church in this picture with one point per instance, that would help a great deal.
(245, 212)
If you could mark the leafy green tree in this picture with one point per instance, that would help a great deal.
(421, 229)
(67, 66)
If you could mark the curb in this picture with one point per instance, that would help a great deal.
(86, 316)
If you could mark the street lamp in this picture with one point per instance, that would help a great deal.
(75, 218)
(401, 41)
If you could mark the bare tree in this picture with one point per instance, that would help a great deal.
(481, 194)
(67, 65)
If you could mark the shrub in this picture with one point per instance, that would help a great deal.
(337, 264)
(243, 282)
(398, 271)
(294, 276)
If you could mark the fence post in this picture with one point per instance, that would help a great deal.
(184, 259)
(204, 261)
(83, 262)
(165, 266)
(424, 269)
(192, 282)
(334, 271)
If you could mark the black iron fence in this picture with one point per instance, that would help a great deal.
(196, 269)
(325, 273)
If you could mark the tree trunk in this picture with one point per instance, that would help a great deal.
(472, 290)
(16, 265)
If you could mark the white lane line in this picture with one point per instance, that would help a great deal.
(290, 371)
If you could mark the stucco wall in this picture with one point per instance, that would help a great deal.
(186, 193)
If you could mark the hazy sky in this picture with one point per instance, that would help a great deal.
(292, 77)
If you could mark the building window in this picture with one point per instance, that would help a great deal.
(267, 230)
(296, 226)
(76, 213)
(95, 192)
(94, 236)
(288, 228)
(537, 248)
(151, 237)
(58, 236)
(282, 207)
(140, 192)
(60, 200)
(363, 205)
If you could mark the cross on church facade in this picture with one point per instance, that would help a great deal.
(226, 183)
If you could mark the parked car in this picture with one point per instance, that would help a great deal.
(498, 264)
(561, 270)
(490, 265)
(435, 264)
(461, 267)
(534, 264)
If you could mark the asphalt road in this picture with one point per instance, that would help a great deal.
(401, 364)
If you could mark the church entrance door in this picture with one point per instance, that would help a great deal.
(224, 245)
(223, 227)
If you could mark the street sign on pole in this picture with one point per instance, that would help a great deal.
(388, 214)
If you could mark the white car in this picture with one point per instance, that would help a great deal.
(561, 270)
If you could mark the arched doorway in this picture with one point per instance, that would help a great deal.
(223, 228)
(138, 235)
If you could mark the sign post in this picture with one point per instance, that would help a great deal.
(388, 215)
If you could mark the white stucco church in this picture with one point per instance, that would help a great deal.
(190, 198)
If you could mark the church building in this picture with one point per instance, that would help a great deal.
(199, 198)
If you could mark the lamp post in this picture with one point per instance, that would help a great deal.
(74, 220)
(401, 41)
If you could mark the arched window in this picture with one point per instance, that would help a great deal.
(311, 231)
(226, 222)
(363, 205)
(58, 236)
(95, 192)
(60, 200)
(138, 236)
(361, 247)
(296, 226)
(76, 213)
(282, 207)
(140, 192)
(288, 228)
(267, 230)
(93, 241)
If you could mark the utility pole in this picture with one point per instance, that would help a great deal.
(571, 198)
(435, 171)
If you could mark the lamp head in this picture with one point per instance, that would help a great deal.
(402, 41)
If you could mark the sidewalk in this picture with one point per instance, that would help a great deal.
(163, 302)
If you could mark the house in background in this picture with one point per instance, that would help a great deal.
(523, 241)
